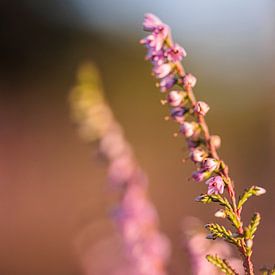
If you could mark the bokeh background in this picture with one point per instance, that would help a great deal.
(52, 186)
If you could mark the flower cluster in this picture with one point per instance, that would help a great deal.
(146, 248)
(166, 57)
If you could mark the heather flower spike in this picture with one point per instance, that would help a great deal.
(146, 249)
(190, 115)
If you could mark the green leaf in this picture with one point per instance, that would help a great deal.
(252, 227)
(252, 191)
(219, 231)
(221, 264)
(204, 198)
(231, 216)
(249, 232)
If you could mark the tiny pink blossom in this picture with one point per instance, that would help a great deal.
(175, 53)
(160, 33)
(174, 98)
(215, 185)
(178, 114)
(199, 176)
(197, 154)
(167, 83)
(189, 81)
(156, 57)
(155, 40)
(151, 22)
(201, 108)
(148, 41)
(192, 144)
(187, 129)
(210, 164)
(162, 70)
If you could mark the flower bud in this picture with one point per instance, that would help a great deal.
(162, 70)
(199, 176)
(201, 108)
(174, 98)
(192, 144)
(187, 129)
(249, 243)
(178, 114)
(210, 164)
(167, 83)
(197, 154)
(220, 214)
(259, 191)
(189, 81)
(150, 22)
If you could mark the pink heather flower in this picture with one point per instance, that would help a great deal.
(210, 164)
(178, 114)
(215, 185)
(189, 81)
(175, 53)
(151, 22)
(201, 108)
(162, 70)
(148, 41)
(167, 83)
(160, 34)
(174, 98)
(192, 144)
(156, 57)
(197, 154)
(199, 176)
(187, 129)
(157, 38)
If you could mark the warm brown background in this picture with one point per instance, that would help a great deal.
(51, 185)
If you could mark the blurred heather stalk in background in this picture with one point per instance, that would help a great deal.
(145, 248)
